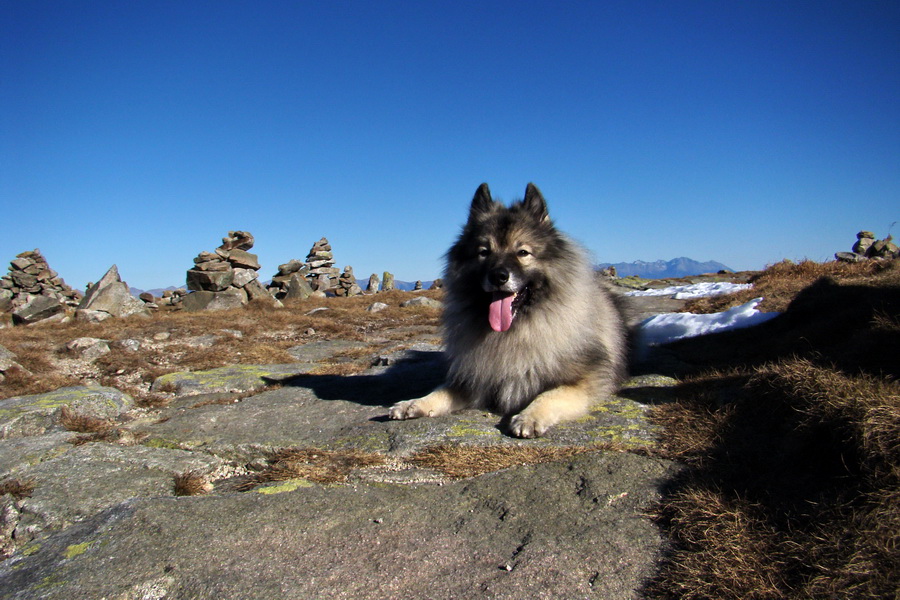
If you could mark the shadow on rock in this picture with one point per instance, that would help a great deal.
(413, 374)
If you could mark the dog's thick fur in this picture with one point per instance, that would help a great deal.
(530, 331)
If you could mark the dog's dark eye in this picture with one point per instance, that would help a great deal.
(523, 253)
(483, 252)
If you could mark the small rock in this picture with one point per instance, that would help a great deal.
(88, 347)
(129, 345)
(91, 316)
(849, 257)
(422, 301)
(377, 307)
(244, 276)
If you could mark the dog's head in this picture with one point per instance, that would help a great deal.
(506, 254)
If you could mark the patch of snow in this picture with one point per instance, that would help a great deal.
(668, 327)
(696, 290)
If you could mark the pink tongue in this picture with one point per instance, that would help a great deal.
(501, 315)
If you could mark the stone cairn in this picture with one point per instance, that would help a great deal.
(225, 278)
(290, 281)
(867, 247)
(317, 275)
(322, 271)
(33, 291)
(347, 285)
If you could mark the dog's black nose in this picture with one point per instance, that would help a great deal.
(498, 276)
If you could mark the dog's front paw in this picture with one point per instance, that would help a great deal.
(405, 410)
(526, 426)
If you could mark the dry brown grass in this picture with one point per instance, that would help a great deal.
(80, 423)
(312, 464)
(191, 484)
(17, 488)
(780, 283)
(469, 461)
(792, 447)
(265, 335)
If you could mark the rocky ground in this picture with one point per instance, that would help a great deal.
(262, 481)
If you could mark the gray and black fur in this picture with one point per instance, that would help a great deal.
(559, 344)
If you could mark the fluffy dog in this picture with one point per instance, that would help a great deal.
(531, 332)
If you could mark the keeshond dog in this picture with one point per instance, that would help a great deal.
(531, 332)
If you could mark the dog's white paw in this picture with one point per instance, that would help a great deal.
(405, 410)
(526, 426)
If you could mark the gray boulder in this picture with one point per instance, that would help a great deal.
(298, 288)
(243, 276)
(374, 282)
(241, 259)
(212, 281)
(387, 282)
(37, 309)
(111, 295)
(205, 300)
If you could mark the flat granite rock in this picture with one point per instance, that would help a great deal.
(93, 477)
(23, 416)
(103, 521)
(235, 378)
(570, 529)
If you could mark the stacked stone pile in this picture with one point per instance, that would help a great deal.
(320, 262)
(347, 285)
(225, 278)
(866, 247)
(33, 291)
(290, 281)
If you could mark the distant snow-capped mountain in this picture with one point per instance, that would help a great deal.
(677, 267)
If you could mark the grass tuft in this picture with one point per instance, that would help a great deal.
(312, 464)
(459, 462)
(192, 484)
(16, 488)
(80, 423)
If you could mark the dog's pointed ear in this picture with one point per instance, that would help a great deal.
(534, 202)
(482, 203)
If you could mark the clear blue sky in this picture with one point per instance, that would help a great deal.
(139, 133)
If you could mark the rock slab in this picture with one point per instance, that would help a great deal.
(563, 530)
(103, 520)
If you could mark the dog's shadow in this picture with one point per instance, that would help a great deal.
(413, 375)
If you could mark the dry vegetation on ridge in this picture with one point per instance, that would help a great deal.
(172, 341)
(791, 437)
